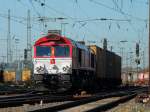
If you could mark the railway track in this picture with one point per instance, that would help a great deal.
(76, 105)
(31, 98)
(101, 105)
(112, 99)
(66, 101)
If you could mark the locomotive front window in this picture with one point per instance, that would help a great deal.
(62, 51)
(43, 51)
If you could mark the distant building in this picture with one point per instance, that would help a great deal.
(133, 78)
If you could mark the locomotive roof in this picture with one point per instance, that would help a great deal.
(78, 45)
(55, 37)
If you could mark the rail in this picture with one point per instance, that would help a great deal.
(125, 96)
(112, 104)
(34, 97)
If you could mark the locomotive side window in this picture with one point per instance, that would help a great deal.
(43, 51)
(62, 51)
(92, 60)
(74, 52)
(79, 57)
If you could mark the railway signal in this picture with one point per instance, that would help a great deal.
(137, 49)
(25, 54)
(137, 61)
(105, 44)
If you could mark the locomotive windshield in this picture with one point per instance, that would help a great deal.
(61, 51)
(46, 51)
(43, 51)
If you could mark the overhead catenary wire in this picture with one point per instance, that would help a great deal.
(84, 21)
(104, 19)
(23, 4)
(55, 10)
(39, 1)
(123, 13)
(119, 10)
(18, 21)
(111, 8)
(76, 2)
(140, 1)
(30, 1)
(75, 20)
(62, 13)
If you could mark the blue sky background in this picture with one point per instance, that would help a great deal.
(131, 24)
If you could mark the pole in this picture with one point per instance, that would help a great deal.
(8, 40)
(131, 62)
(28, 36)
(149, 43)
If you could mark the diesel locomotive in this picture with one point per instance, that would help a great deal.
(62, 63)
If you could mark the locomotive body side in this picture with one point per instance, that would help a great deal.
(83, 66)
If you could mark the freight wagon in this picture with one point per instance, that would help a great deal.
(108, 67)
(11, 76)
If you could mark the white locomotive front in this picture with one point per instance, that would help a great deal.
(52, 62)
(47, 62)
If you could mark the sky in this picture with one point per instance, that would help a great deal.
(88, 20)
